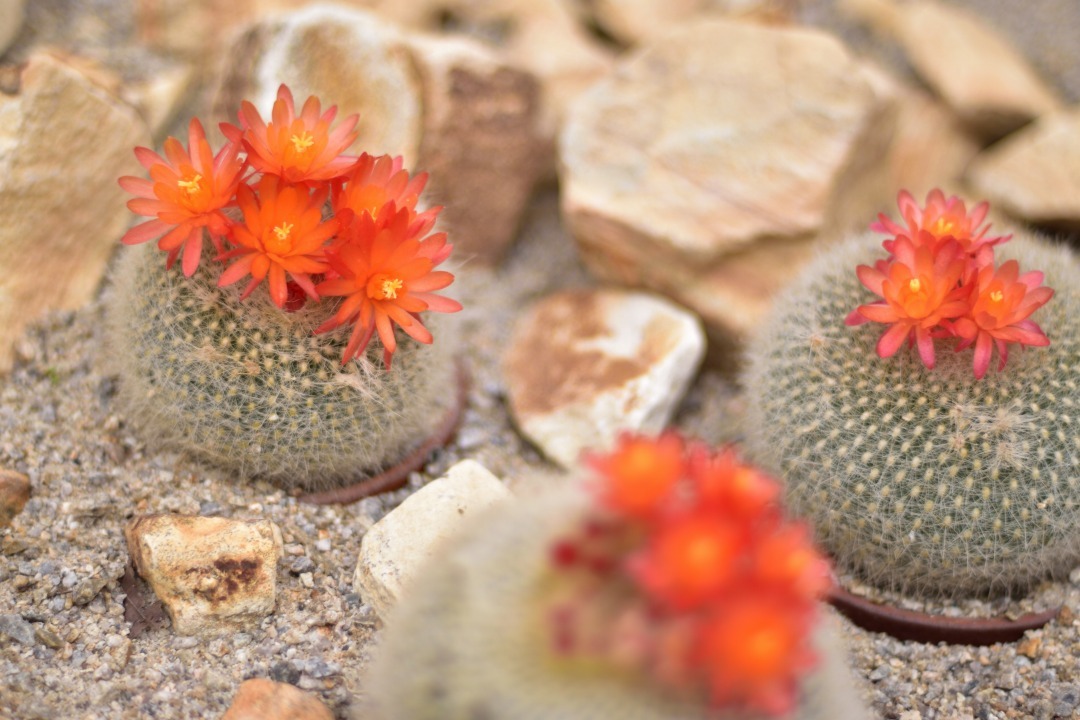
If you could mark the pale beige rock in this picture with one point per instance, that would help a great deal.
(930, 147)
(974, 69)
(63, 141)
(212, 574)
(707, 179)
(262, 699)
(450, 107)
(482, 143)
(586, 365)
(636, 21)
(11, 20)
(160, 96)
(1034, 174)
(397, 546)
(14, 494)
(541, 36)
(344, 57)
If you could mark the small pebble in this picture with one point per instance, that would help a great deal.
(14, 627)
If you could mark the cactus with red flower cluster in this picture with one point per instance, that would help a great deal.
(916, 473)
(672, 588)
(940, 281)
(264, 357)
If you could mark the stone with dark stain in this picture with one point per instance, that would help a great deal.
(585, 365)
(212, 574)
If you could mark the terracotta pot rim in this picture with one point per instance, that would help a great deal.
(930, 628)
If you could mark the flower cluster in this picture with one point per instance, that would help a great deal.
(941, 281)
(686, 568)
(281, 202)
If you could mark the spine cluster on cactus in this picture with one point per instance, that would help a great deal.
(923, 480)
(673, 588)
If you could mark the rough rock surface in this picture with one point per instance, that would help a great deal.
(966, 61)
(396, 546)
(541, 36)
(449, 107)
(14, 492)
(692, 175)
(262, 699)
(11, 20)
(636, 21)
(930, 146)
(59, 220)
(585, 365)
(212, 574)
(1034, 174)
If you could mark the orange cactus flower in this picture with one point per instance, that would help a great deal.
(941, 218)
(787, 559)
(375, 181)
(723, 483)
(188, 191)
(690, 559)
(920, 291)
(639, 474)
(296, 148)
(387, 276)
(1003, 301)
(283, 234)
(754, 647)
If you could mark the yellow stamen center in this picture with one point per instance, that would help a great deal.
(302, 142)
(914, 285)
(282, 231)
(191, 186)
(996, 296)
(942, 226)
(390, 288)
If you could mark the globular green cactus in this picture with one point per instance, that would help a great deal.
(919, 480)
(470, 640)
(248, 387)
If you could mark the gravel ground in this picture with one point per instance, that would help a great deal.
(70, 656)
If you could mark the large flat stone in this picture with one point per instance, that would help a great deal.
(63, 140)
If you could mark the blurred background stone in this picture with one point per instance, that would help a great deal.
(706, 166)
(970, 65)
(448, 106)
(64, 138)
(1043, 31)
(11, 21)
(1034, 174)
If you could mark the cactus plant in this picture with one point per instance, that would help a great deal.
(549, 608)
(251, 389)
(927, 481)
(280, 380)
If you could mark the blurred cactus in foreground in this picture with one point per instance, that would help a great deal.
(677, 590)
